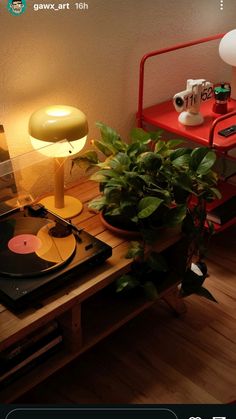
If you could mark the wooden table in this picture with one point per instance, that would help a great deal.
(84, 309)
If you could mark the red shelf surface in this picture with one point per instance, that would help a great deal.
(165, 116)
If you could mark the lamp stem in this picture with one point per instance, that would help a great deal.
(233, 83)
(59, 182)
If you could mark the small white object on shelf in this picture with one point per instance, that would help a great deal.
(188, 101)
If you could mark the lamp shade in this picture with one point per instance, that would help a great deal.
(59, 125)
(227, 48)
(227, 51)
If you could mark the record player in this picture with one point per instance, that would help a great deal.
(39, 250)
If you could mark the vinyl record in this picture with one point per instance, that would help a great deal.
(28, 249)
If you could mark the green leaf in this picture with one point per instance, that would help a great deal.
(109, 173)
(139, 135)
(157, 262)
(180, 194)
(135, 149)
(133, 179)
(135, 219)
(211, 227)
(108, 134)
(197, 156)
(126, 282)
(116, 182)
(155, 135)
(180, 152)
(113, 212)
(216, 193)
(120, 163)
(181, 161)
(87, 159)
(148, 205)
(184, 181)
(105, 149)
(202, 160)
(173, 143)
(129, 210)
(147, 179)
(98, 177)
(135, 250)
(150, 290)
(111, 138)
(97, 203)
(175, 215)
(207, 163)
(160, 146)
(150, 161)
(211, 178)
(91, 155)
(113, 195)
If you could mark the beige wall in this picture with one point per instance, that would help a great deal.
(90, 59)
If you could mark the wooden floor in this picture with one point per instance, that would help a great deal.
(158, 358)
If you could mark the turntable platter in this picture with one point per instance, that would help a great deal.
(28, 249)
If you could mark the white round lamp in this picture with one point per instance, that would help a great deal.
(227, 51)
(59, 131)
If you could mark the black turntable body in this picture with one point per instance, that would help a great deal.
(40, 251)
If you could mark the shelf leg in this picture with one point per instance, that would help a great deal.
(175, 301)
(71, 327)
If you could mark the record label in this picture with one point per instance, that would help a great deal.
(24, 243)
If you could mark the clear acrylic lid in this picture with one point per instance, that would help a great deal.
(10, 196)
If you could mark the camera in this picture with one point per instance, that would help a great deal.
(188, 101)
(180, 101)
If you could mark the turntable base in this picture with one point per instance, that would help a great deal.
(86, 309)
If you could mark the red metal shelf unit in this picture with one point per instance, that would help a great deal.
(163, 115)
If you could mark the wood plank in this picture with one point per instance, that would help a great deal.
(2, 308)
(92, 225)
(84, 215)
(85, 190)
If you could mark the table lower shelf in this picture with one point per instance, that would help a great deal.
(101, 315)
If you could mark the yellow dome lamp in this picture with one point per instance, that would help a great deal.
(59, 131)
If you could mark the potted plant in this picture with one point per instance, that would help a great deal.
(148, 184)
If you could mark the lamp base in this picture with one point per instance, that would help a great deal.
(72, 206)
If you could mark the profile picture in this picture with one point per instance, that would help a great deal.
(16, 7)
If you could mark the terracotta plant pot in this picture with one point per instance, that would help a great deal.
(117, 229)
